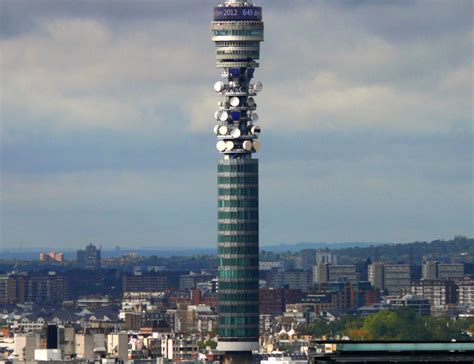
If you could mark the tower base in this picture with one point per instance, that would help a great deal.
(237, 357)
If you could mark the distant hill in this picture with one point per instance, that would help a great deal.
(33, 254)
(283, 248)
(461, 248)
(348, 252)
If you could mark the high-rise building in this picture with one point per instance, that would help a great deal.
(90, 258)
(237, 30)
(466, 292)
(375, 274)
(51, 257)
(440, 292)
(327, 272)
(394, 278)
(436, 270)
(291, 279)
(324, 256)
(33, 287)
(144, 282)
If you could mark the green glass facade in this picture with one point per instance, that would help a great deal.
(237, 181)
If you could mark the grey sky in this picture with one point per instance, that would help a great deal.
(107, 115)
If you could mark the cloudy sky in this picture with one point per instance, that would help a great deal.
(107, 115)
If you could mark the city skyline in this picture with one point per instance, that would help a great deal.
(107, 119)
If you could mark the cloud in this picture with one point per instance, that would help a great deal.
(107, 112)
(78, 74)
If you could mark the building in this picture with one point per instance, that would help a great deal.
(16, 285)
(90, 258)
(190, 281)
(51, 257)
(429, 270)
(323, 256)
(364, 294)
(438, 291)
(290, 279)
(51, 287)
(395, 279)
(390, 352)
(25, 346)
(305, 259)
(3, 289)
(144, 282)
(465, 292)
(270, 265)
(375, 275)
(46, 288)
(343, 293)
(84, 346)
(436, 270)
(179, 349)
(237, 30)
(273, 301)
(328, 272)
(453, 271)
(117, 346)
(421, 305)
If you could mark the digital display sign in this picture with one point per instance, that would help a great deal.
(238, 13)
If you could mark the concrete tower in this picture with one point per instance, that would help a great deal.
(237, 31)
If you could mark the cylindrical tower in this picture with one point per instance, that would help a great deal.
(237, 31)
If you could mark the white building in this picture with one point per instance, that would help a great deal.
(25, 346)
(178, 348)
(84, 346)
(466, 291)
(117, 346)
(48, 355)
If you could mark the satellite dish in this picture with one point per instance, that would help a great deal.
(221, 145)
(250, 102)
(216, 115)
(235, 133)
(255, 129)
(223, 116)
(258, 86)
(247, 145)
(219, 86)
(223, 130)
(257, 145)
(229, 145)
(234, 101)
(220, 103)
(216, 129)
(253, 117)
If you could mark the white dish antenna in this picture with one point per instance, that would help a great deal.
(216, 129)
(258, 86)
(247, 145)
(255, 129)
(235, 133)
(234, 101)
(257, 145)
(223, 116)
(251, 102)
(223, 130)
(229, 145)
(216, 115)
(219, 86)
(221, 145)
(254, 117)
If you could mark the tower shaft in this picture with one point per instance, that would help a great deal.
(237, 31)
